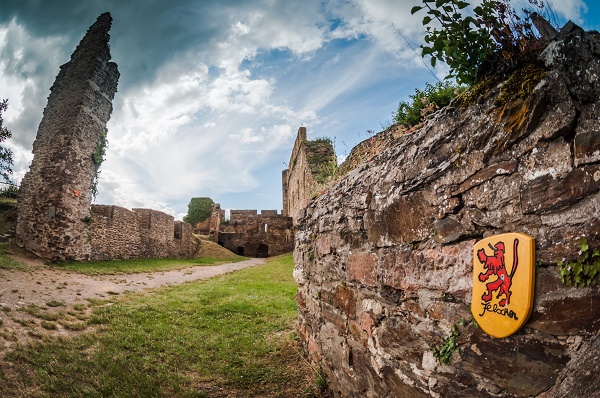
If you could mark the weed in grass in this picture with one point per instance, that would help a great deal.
(24, 322)
(5, 309)
(48, 325)
(75, 326)
(78, 315)
(79, 307)
(54, 303)
(34, 333)
(37, 312)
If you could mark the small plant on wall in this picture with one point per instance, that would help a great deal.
(584, 270)
(443, 352)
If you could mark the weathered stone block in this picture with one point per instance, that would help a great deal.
(546, 194)
(344, 299)
(533, 364)
(448, 230)
(408, 219)
(362, 267)
(487, 174)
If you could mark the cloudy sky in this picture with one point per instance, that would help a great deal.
(212, 92)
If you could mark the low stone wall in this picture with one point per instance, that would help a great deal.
(384, 258)
(119, 233)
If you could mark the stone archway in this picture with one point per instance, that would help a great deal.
(262, 251)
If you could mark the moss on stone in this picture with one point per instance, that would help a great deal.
(321, 158)
(520, 84)
(470, 96)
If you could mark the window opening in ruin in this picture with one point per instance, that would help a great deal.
(177, 231)
(266, 228)
(262, 251)
(240, 250)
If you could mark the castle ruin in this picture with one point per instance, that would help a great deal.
(248, 233)
(55, 218)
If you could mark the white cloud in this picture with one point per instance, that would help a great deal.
(569, 9)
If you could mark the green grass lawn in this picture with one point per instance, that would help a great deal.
(232, 336)
(143, 265)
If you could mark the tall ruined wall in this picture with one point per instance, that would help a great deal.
(299, 181)
(56, 192)
(119, 233)
(257, 235)
(384, 258)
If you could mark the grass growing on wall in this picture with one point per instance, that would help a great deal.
(228, 336)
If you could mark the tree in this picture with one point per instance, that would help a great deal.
(6, 155)
(199, 209)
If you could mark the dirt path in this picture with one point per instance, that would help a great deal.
(42, 284)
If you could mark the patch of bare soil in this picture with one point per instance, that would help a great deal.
(44, 300)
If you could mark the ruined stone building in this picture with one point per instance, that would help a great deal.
(55, 217)
(311, 163)
(251, 234)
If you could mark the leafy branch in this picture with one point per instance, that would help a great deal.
(493, 39)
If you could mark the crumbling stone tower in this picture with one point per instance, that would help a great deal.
(56, 193)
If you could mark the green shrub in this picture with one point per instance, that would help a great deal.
(425, 102)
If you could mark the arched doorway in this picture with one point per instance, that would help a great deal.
(240, 250)
(262, 251)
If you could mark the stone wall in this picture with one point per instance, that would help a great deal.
(251, 234)
(299, 181)
(119, 233)
(366, 150)
(384, 258)
(56, 192)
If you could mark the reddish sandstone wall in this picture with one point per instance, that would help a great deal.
(384, 259)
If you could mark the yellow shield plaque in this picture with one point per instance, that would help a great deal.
(503, 282)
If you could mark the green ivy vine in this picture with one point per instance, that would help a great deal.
(97, 158)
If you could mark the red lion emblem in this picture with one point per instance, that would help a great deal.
(495, 266)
